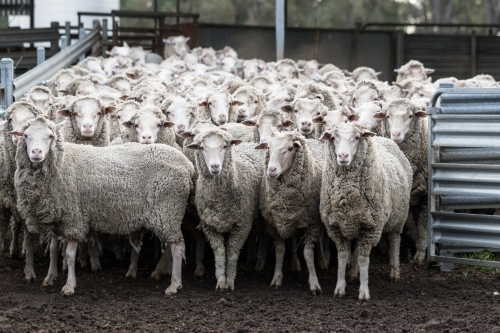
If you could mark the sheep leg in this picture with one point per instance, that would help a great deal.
(54, 252)
(343, 259)
(14, 244)
(164, 265)
(326, 250)
(117, 247)
(29, 271)
(216, 241)
(422, 233)
(411, 224)
(354, 269)
(4, 227)
(177, 250)
(64, 244)
(83, 255)
(394, 244)
(136, 240)
(200, 253)
(313, 278)
(261, 249)
(294, 258)
(321, 255)
(93, 248)
(363, 262)
(69, 287)
(237, 238)
(278, 268)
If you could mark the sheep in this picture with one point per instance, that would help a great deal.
(366, 115)
(218, 108)
(147, 97)
(413, 69)
(331, 98)
(253, 101)
(261, 82)
(289, 198)
(87, 122)
(330, 118)
(120, 83)
(176, 45)
(328, 68)
(303, 111)
(92, 64)
(231, 85)
(234, 178)
(79, 71)
(364, 92)
(364, 74)
(42, 98)
(335, 80)
(280, 96)
(208, 56)
(287, 69)
(365, 192)
(80, 87)
(59, 82)
(310, 68)
(119, 50)
(231, 65)
(404, 123)
(122, 113)
(16, 115)
(55, 183)
(446, 79)
(420, 93)
(252, 67)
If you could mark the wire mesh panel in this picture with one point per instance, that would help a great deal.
(464, 173)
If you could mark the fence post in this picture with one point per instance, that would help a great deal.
(399, 49)
(280, 29)
(81, 35)
(68, 33)
(54, 44)
(7, 78)
(95, 24)
(40, 55)
(64, 42)
(473, 60)
(104, 43)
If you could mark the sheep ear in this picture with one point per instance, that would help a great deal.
(325, 136)
(16, 133)
(297, 145)
(203, 103)
(378, 73)
(237, 103)
(127, 124)
(380, 115)
(235, 142)
(320, 97)
(168, 124)
(193, 146)
(187, 135)
(286, 108)
(252, 121)
(123, 97)
(109, 109)
(428, 71)
(187, 39)
(397, 70)
(59, 126)
(348, 92)
(288, 123)
(108, 52)
(353, 117)
(421, 114)
(367, 134)
(318, 120)
(64, 112)
(223, 129)
(166, 41)
(262, 145)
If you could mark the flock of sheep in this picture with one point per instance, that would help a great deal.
(233, 150)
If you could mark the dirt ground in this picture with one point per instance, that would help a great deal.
(424, 300)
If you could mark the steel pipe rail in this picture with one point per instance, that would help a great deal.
(61, 60)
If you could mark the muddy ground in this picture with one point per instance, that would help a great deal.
(423, 301)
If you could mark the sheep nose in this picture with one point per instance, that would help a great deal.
(36, 151)
(215, 167)
(241, 111)
(306, 124)
(272, 169)
(343, 156)
(396, 134)
(146, 137)
(88, 126)
(252, 73)
(181, 127)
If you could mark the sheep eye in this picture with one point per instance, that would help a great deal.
(295, 110)
(357, 138)
(136, 126)
(290, 148)
(410, 116)
(25, 135)
(159, 125)
(51, 137)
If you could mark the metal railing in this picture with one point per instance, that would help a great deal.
(466, 176)
(14, 89)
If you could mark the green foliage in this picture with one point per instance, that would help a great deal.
(485, 254)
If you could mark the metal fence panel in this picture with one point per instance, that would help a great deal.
(464, 182)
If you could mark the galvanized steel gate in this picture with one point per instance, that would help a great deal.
(464, 127)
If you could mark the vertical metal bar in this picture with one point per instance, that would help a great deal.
(64, 42)
(7, 77)
(280, 29)
(67, 27)
(32, 14)
(286, 13)
(95, 25)
(81, 35)
(54, 44)
(104, 44)
(473, 54)
(40, 55)
(400, 49)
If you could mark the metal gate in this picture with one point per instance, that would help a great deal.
(464, 127)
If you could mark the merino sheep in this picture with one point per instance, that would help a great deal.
(55, 183)
(231, 85)
(405, 124)
(364, 92)
(303, 111)
(18, 114)
(328, 119)
(253, 101)
(218, 108)
(181, 112)
(58, 83)
(287, 69)
(364, 74)
(80, 87)
(289, 198)
(252, 67)
(120, 83)
(176, 45)
(413, 69)
(280, 96)
(329, 97)
(42, 98)
(365, 192)
(235, 178)
(123, 112)
(366, 115)
(335, 80)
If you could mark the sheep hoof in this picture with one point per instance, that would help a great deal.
(68, 290)
(364, 295)
(314, 287)
(49, 280)
(156, 275)
(173, 288)
(419, 256)
(276, 282)
(29, 275)
(394, 275)
(221, 284)
(199, 272)
(230, 284)
(340, 289)
(259, 266)
(131, 274)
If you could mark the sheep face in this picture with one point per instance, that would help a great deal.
(413, 70)
(166, 75)
(336, 82)
(366, 75)
(179, 44)
(363, 94)
(39, 137)
(61, 84)
(331, 118)
(303, 112)
(228, 64)
(250, 103)
(400, 115)
(123, 86)
(252, 68)
(86, 113)
(151, 98)
(346, 137)
(147, 125)
(267, 123)
(213, 148)
(366, 113)
(182, 114)
(125, 114)
(20, 115)
(208, 57)
(85, 88)
(311, 68)
(287, 71)
(41, 99)
(282, 150)
(279, 98)
(421, 94)
(110, 66)
(219, 105)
